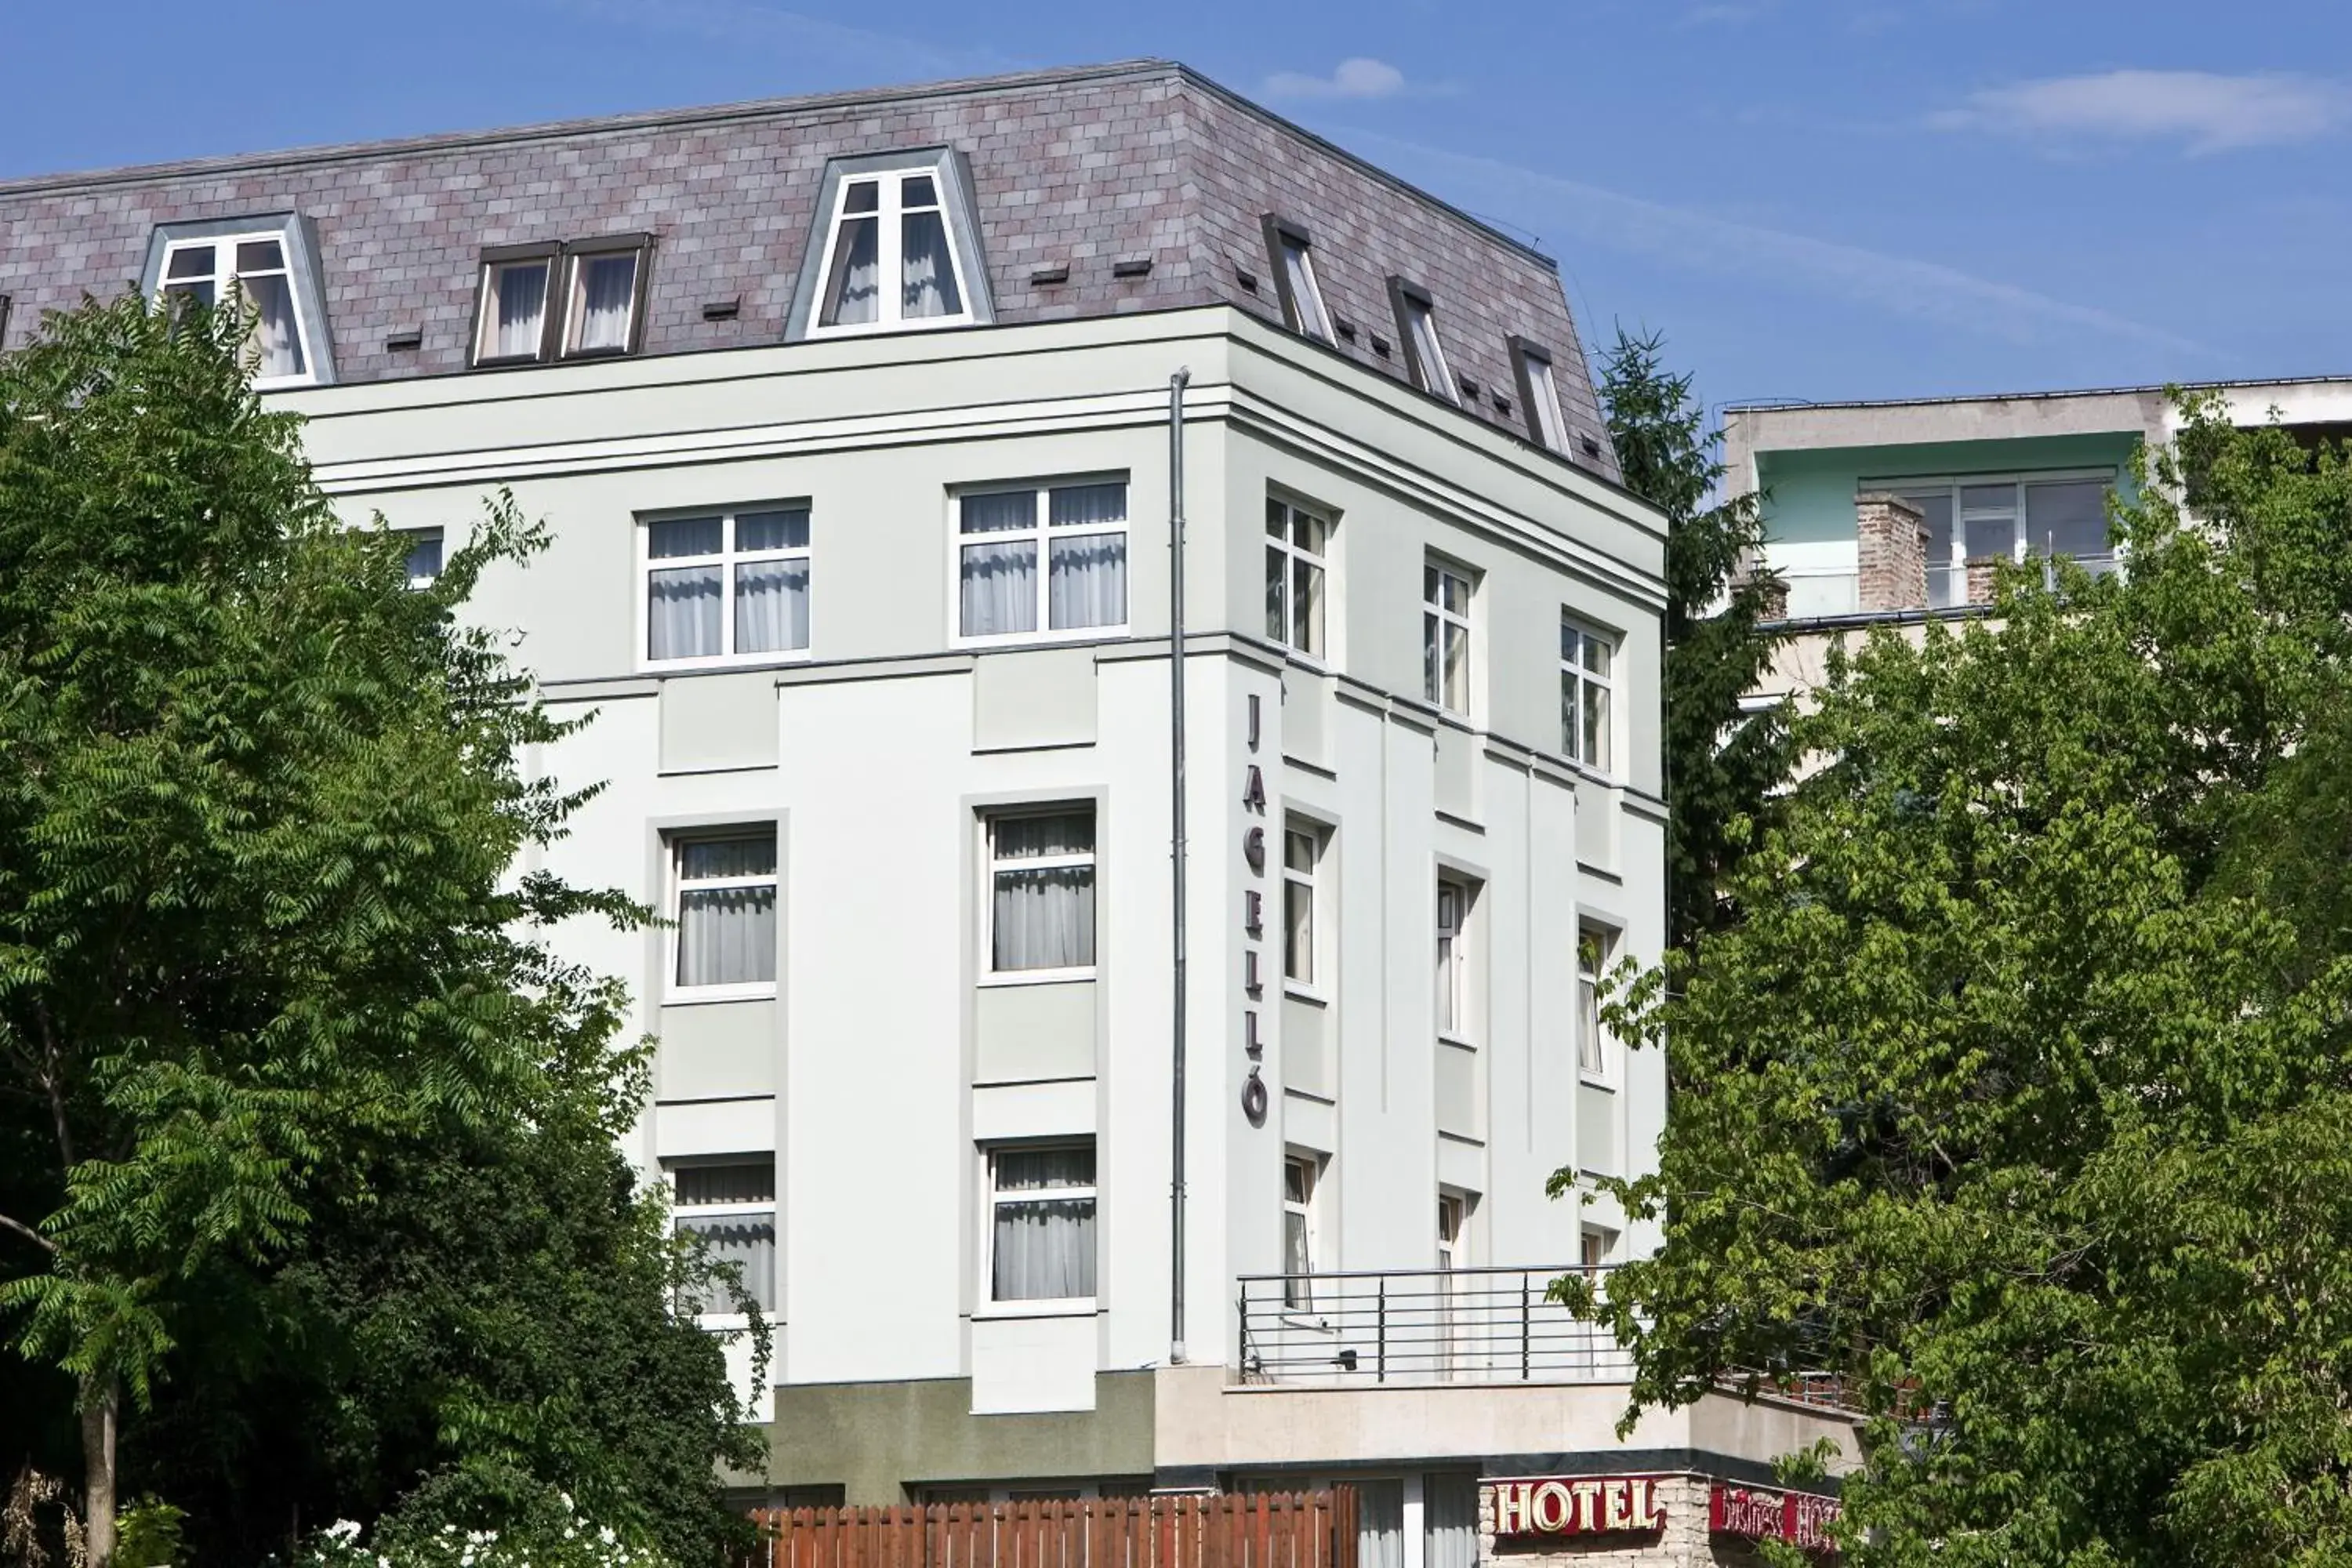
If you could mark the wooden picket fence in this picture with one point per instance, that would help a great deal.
(1234, 1529)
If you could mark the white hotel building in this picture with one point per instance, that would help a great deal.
(852, 420)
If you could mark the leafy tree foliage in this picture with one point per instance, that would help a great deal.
(266, 984)
(2020, 1099)
(1722, 764)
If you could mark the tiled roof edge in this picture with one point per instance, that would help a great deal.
(597, 125)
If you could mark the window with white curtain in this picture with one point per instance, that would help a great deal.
(511, 316)
(424, 555)
(602, 300)
(1301, 1175)
(1540, 392)
(1453, 958)
(1040, 892)
(727, 586)
(254, 269)
(1296, 541)
(892, 254)
(573, 300)
(1449, 1516)
(1041, 1221)
(2006, 518)
(1595, 945)
(1292, 251)
(729, 1205)
(1302, 856)
(1042, 558)
(1585, 657)
(724, 906)
(1445, 635)
(1416, 314)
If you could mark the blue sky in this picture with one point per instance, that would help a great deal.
(1811, 199)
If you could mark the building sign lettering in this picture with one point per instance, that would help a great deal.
(1755, 1513)
(1578, 1505)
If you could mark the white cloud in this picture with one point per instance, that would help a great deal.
(1355, 77)
(2205, 111)
(1894, 285)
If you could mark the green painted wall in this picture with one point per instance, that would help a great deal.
(1811, 494)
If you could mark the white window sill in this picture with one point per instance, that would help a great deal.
(1055, 638)
(1072, 1307)
(1034, 976)
(696, 995)
(734, 1323)
(1596, 1081)
(1297, 991)
(869, 328)
(767, 660)
(1456, 1041)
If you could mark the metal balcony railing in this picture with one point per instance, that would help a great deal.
(1421, 1326)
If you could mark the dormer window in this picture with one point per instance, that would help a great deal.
(581, 299)
(1539, 394)
(895, 249)
(1416, 315)
(265, 263)
(1292, 252)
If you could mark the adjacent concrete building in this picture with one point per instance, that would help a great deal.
(853, 421)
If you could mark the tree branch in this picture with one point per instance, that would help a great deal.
(29, 1234)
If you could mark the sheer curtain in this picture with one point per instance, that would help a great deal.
(855, 296)
(274, 331)
(608, 287)
(1380, 1524)
(1044, 916)
(682, 603)
(929, 284)
(772, 606)
(999, 579)
(1086, 582)
(745, 1240)
(726, 935)
(1449, 1504)
(522, 308)
(1044, 1245)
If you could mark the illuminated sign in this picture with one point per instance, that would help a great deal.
(1578, 1505)
(1755, 1514)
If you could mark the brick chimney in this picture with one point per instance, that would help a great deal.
(1890, 536)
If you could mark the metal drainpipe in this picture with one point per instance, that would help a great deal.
(1176, 384)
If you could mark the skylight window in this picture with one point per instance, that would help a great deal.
(580, 299)
(1292, 252)
(895, 249)
(1416, 315)
(1539, 394)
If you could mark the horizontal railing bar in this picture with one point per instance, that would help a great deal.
(1468, 1270)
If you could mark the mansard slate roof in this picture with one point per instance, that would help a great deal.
(1086, 167)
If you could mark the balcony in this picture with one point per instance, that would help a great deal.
(1421, 1327)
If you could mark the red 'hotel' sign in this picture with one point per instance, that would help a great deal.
(1798, 1517)
(1578, 1505)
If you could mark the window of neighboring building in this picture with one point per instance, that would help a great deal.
(895, 248)
(1539, 394)
(727, 585)
(1301, 1175)
(1296, 541)
(724, 903)
(1041, 1231)
(1594, 947)
(1302, 855)
(1041, 900)
(1594, 1247)
(522, 319)
(1292, 253)
(1450, 1209)
(731, 1204)
(256, 267)
(1453, 958)
(2007, 518)
(424, 555)
(1416, 316)
(3, 320)
(1445, 635)
(1077, 531)
(1584, 662)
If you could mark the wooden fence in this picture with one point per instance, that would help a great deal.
(1256, 1530)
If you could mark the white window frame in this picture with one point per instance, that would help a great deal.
(989, 974)
(1416, 320)
(1597, 1049)
(419, 536)
(496, 263)
(1539, 390)
(1954, 568)
(1578, 682)
(1436, 617)
(1307, 884)
(1284, 555)
(889, 250)
(987, 1304)
(1298, 1295)
(1302, 312)
(577, 254)
(225, 274)
(727, 560)
(768, 1209)
(673, 897)
(1039, 535)
(1454, 1016)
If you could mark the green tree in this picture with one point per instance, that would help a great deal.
(2020, 1099)
(1723, 763)
(258, 805)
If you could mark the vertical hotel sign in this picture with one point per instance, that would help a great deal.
(1254, 1094)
